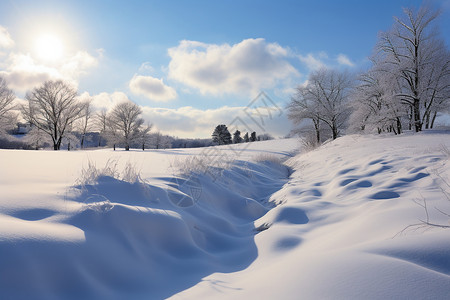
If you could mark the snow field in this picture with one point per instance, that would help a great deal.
(343, 221)
(104, 224)
(344, 228)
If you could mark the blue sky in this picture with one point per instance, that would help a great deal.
(191, 64)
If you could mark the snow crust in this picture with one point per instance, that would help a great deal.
(339, 222)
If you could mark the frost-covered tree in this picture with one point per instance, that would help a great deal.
(7, 117)
(375, 107)
(303, 107)
(265, 137)
(36, 138)
(416, 57)
(437, 91)
(237, 137)
(323, 99)
(53, 108)
(159, 141)
(70, 140)
(84, 124)
(144, 136)
(221, 135)
(101, 125)
(125, 123)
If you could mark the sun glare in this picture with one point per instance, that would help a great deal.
(49, 47)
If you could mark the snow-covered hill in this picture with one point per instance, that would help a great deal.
(229, 222)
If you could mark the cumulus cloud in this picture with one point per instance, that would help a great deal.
(5, 39)
(246, 67)
(344, 60)
(151, 88)
(23, 72)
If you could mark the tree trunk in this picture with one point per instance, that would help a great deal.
(399, 125)
(334, 131)
(417, 120)
(433, 119)
(427, 120)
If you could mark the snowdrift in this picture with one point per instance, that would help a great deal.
(127, 227)
(351, 226)
(345, 221)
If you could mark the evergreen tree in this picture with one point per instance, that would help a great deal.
(253, 137)
(221, 135)
(246, 139)
(237, 137)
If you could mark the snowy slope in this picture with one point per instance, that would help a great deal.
(344, 230)
(202, 223)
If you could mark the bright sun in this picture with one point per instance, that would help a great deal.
(49, 47)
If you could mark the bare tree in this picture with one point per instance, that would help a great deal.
(413, 54)
(84, 124)
(101, 124)
(159, 141)
(52, 108)
(323, 99)
(144, 136)
(303, 107)
(125, 120)
(6, 106)
(437, 85)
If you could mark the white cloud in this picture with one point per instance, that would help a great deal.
(151, 88)
(314, 61)
(190, 122)
(198, 123)
(242, 68)
(146, 67)
(23, 72)
(344, 60)
(79, 63)
(106, 101)
(5, 39)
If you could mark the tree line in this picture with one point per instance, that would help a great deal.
(55, 114)
(221, 136)
(407, 86)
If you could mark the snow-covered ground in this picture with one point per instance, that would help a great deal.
(340, 222)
